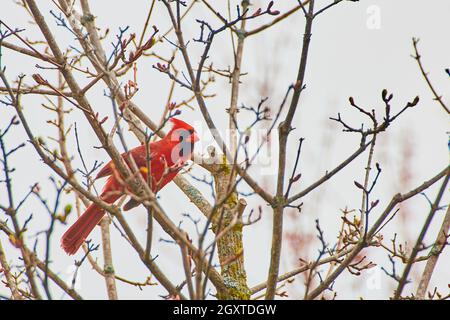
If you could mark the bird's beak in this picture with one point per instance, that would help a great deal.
(194, 137)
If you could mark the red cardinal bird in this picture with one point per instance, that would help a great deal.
(167, 157)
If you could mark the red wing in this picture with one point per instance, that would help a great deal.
(105, 171)
(139, 155)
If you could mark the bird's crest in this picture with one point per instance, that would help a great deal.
(179, 124)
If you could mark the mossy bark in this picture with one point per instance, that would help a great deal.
(229, 245)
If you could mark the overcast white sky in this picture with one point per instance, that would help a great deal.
(357, 50)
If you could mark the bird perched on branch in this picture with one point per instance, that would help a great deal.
(161, 164)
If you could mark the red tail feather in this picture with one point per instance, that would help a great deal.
(74, 237)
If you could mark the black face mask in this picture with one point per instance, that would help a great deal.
(186, 145)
